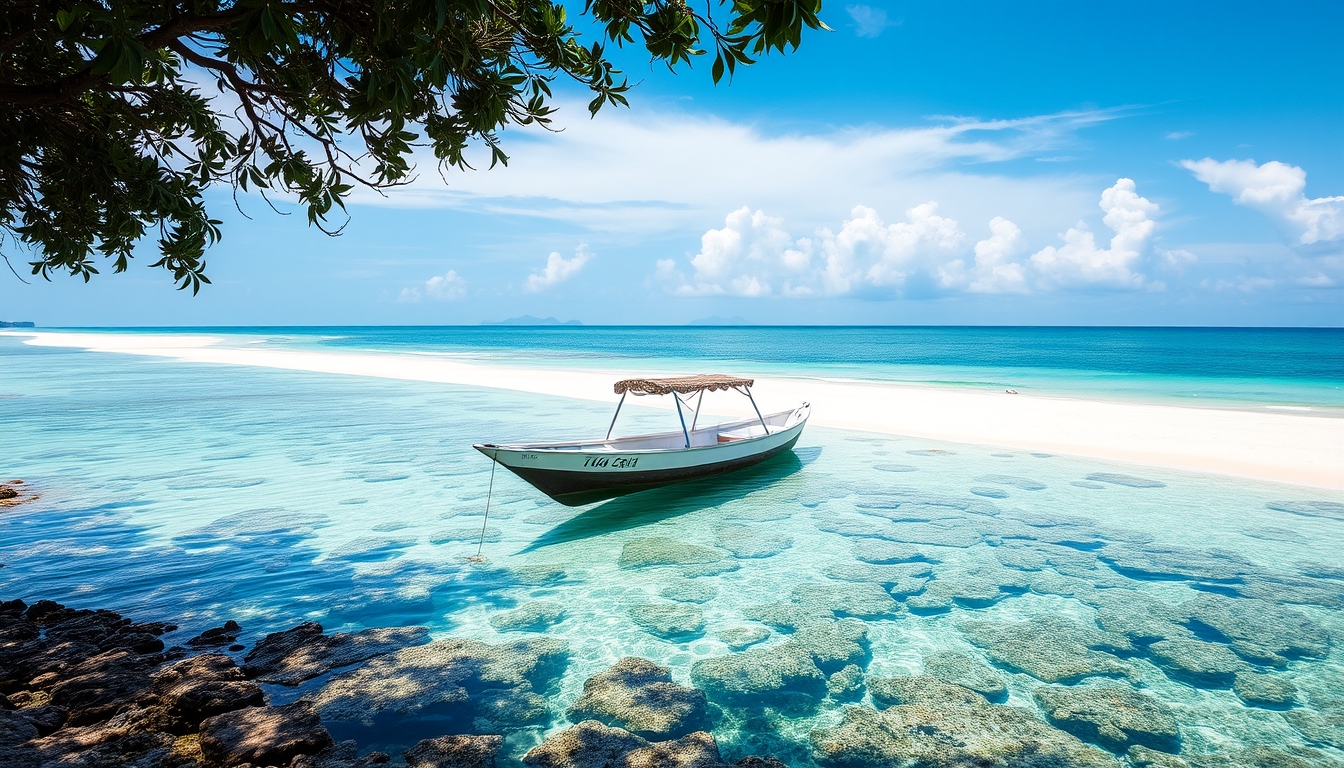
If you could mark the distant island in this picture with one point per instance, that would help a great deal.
(734, 320)
(530, 320)
(17, 324)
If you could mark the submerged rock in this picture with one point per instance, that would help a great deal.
(591, 744)
(304, 652)
(846, 684)
(862, 601)
(959, 669)
(1264, 690)
(1325, 729)
(881, 552)
(689, 591)
(1201, 664)
(670, 621)
(1023, 483)
(454, 752)
(1114, 716)
(783, 675)
(886, 575)
(1257, 630)
(747, 541)
(343, 755)
(738, 638)
(834, 644)
(1141, 619)
(194, 689)
(926, 722)
(787, 617)
(1129, 481)
(217, 636)
(1331, 510)
(485, 687)
(1152, 562)
(1259, 756)
(1050, 648)
(534, 616)
(988, 492)
(263, 735)
(639, 696)
(640, 553)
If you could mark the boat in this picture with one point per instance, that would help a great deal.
(587, 471)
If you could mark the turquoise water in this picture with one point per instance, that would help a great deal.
(200, 493)
(1237, 367)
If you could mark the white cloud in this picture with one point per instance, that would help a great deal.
(646, 171)
(1081, 262)
(753, 255)
(1178, 135)
(1276, 190)
(993, 270)
(446, 287)
(869, 252)
(557, 270)
(868, 21)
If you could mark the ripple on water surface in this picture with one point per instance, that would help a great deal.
(827, 602)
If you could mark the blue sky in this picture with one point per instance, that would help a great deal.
(925, 162)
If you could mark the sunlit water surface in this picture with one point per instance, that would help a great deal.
(200, 493)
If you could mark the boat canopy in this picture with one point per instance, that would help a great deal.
(686, 385)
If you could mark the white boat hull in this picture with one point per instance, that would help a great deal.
(582, 473)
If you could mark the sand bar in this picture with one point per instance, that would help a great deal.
(1296, 448)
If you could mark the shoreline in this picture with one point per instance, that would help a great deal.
(1294, 447)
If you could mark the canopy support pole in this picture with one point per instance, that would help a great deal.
(699, 401)
(614, 415)
(758, 411)
(682, 418)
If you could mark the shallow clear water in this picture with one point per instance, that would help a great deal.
(1287, 368)
(202, 493)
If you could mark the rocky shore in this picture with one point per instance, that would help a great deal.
(92, 688)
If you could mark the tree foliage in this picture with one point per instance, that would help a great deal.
(106, 135)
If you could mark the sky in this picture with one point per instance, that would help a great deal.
(1145, 163)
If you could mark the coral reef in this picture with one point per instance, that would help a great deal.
(639, 696)
(748, 541)
(670, 621)
(926, 722)
(533, 616)
(304, 652)
(959, 669)
(1052, 649)
(1114, 716)
(641, 553)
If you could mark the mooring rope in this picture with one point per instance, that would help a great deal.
(488, 495)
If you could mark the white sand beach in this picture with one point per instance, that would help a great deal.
(1299, 448)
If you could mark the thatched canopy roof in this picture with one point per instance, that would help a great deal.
(684, 384)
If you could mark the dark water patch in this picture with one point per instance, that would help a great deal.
(895, 468)
(1329, 510)
(1087, 484)
(1043, 455)
(1129, 481)
(371, 548)
(352, 502)
(1273, 533)
(1021, 483)
(988, 492)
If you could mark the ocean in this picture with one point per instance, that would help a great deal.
(198, 493)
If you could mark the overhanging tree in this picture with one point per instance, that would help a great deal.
(106, 137)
